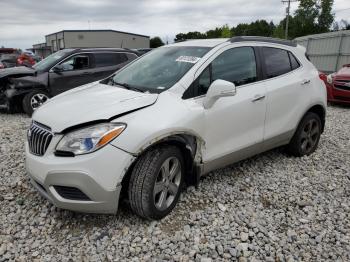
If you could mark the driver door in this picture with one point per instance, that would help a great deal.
(72, 72)
(234, 125)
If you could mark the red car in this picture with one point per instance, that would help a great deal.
(25, 60)
(338, 85)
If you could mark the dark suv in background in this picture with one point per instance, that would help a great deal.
(23, 88)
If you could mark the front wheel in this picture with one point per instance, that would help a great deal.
(156, 182)
(307, 136)
(34, 100)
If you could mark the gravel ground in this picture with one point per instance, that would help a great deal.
(271, 207)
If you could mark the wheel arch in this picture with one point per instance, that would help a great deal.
(319, 110)
(190, 146)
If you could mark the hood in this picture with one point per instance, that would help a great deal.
(343, 73)
(17, 71)
(92, 102)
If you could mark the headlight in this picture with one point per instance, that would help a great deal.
(90, 139)
(330, 79)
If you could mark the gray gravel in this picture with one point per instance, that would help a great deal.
(271, 207)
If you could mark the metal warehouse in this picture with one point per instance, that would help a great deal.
(90, 38)
(329, 51)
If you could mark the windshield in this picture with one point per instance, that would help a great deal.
(50, 60)
(159, 69)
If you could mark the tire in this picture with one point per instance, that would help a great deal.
(148, 200)
(10, 108)
(29, 99)
(307, 136)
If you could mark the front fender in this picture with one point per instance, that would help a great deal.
(168, 117)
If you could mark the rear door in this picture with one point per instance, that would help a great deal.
(287, 92)
(76, 71)
(106, 63)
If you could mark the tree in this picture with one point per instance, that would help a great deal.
(225, 32)
(326, 17)
(257, 28)
(189, 35)
(214, 33)
(156, 42)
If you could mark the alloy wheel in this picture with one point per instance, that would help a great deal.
(309, 136)
(37, 100)
(167, 183)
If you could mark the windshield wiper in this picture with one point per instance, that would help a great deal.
(127, 86)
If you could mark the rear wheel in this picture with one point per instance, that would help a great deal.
(34, 100)
(156, 182)
(307, 136)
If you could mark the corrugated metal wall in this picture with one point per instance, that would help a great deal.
(329, 51)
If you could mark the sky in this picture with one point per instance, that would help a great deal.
(26, 22)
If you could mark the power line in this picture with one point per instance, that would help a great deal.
(287, 13)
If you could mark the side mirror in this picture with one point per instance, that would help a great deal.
(57, 69)
(219, 88)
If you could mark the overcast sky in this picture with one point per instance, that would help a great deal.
(26, 22)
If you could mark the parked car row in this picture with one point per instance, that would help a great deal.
(27, 88)
(338, 85)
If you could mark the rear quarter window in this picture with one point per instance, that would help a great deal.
(276, 61)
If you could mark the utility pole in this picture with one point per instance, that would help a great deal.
(287, 18)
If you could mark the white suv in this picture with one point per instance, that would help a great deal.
(170, 117)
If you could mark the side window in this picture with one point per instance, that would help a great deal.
(120, 58)
(77, 62)
(236, 65)
(204, 81)
(131, 56)
(276, 61)
(104, 59)
(293, 61)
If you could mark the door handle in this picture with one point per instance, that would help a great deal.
(258, 97)
(305, 82)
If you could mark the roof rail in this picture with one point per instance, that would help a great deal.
(236, 39)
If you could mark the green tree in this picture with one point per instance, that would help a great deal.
(156, 42)
(312, 17)
(214, 33)
(225, 32)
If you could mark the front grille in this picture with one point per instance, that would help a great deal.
(71, 193)
(342, 87)
(342, 98)
(342, 80)
(39, 138)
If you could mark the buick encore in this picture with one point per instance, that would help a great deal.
(168, 118)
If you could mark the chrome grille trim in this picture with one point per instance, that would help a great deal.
(39, 138)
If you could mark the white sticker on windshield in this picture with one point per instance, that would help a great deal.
(188, 59)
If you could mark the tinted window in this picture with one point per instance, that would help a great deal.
(104, 59)
(77, 62)
(293, 61)
(120, 58)
(109, 59)
(236, 65)
(276, 61)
